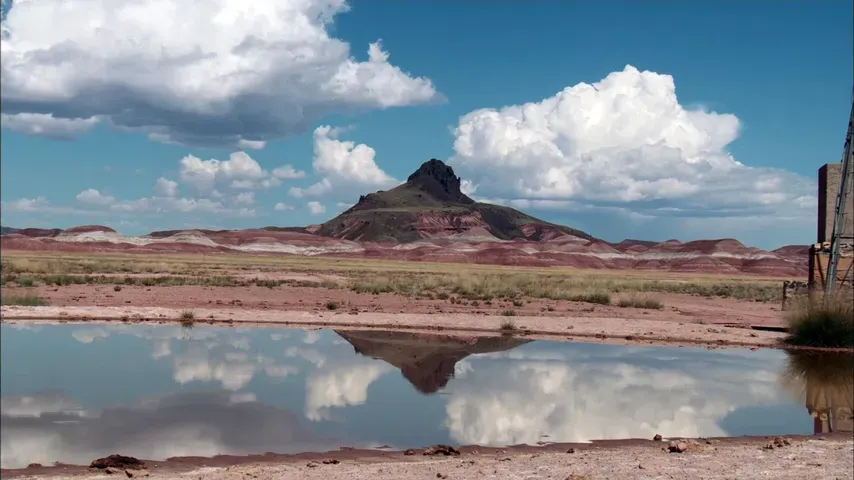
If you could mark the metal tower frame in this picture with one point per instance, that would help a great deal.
(839, 217)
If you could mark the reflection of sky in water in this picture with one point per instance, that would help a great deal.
(73, 393)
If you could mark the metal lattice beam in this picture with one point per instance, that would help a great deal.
(841, 199)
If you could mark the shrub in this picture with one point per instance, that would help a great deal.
(509, 313)
(508, 325)
(330, 305)
(817, 322)
(599, 298)
(117, 288)
(187, 318)
(636, 301)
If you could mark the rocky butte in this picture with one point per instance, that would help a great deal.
(431, 205)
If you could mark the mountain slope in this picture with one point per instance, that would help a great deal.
(430, 205)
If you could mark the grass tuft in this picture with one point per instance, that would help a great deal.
(817, 322)
(509, 313)
(188, 318)
(330, 305)
(508, 325)
(638, 301)
(23, 300)
(598, 298)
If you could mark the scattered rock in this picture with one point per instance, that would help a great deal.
(571, 450)
(657, 437)
(441, 450)
(112, 470)
(120, 462)
(781, 441)
(331, 462)
(441, 475)
(131, 473)
(409, 451)
(677, 447)
(34, 465)
(312, 464)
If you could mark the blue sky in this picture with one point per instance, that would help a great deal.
(762, 96)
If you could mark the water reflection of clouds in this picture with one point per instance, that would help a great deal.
(51, 428)
(340, 386)
(206, 354)
(204, 423)
(89, 335)
(337, 379)
(569, 392)
(39, 403)
(579, 395)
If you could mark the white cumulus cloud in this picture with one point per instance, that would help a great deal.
(245, 198)
(94, 197)
(217, 72)
(240, 171)
(623, 141)
(316, 208)
(26, 204)
(282, 207)
(346, 167)
(288, 172)
(165, 187)
(46, 125)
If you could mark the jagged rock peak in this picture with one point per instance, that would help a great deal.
(439, 179)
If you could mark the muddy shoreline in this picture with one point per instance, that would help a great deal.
(831, 454)
(591, 329)
(620, 331)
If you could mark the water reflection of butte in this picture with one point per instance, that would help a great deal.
(827, 381)
(427, 361)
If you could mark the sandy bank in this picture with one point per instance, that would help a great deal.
(588, 329)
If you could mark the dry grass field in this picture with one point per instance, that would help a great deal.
(443, 281)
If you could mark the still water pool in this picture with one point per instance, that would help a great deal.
(72, 393)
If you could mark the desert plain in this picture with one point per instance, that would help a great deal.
(418, 277)
(456, 300)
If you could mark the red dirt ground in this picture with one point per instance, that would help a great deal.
(678, 307)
